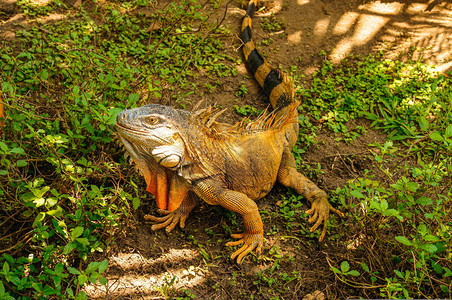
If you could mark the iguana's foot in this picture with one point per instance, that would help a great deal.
(169, 221)
(172, 218)
(320, 211)
(250, 241)
(320, 208)
(253, 237)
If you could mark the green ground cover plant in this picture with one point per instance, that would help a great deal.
(66, 189)
(62, 182)
(405, 198)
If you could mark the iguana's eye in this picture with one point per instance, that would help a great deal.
(152, 120)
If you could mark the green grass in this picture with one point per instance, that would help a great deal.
(65, 188)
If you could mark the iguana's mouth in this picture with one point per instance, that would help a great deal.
(132, 130)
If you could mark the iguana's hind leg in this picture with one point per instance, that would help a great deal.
(320, 208)
(253, 236)
(172, 218)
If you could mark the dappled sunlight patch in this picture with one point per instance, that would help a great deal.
(53, 17)
(427, 36)
(417, 31)
(241, 68)
(415, 8)
(345, 23)
(342, 49)
(303, 2)
(362, 28)
(321, 27)
(442, 68)
(310, 70)
(295, 38)
(36, 3)
(367, 27)
(134, 274)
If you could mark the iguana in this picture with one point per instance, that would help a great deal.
(185, 155)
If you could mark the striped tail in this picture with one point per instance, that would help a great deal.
(277, 87)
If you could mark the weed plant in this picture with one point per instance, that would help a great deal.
(400, 207)
(64, 186)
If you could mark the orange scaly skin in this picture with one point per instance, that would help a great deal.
(185, 155)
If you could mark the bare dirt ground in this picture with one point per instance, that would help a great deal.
(152, 265)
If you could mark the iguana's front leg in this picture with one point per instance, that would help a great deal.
(320, 207)
(172, 218)
(253, 236)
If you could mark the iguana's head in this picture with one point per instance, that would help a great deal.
(153, 131)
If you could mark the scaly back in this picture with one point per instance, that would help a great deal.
(277, 87)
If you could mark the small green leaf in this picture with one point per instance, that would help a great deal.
(365, 267)
(437, 267)
(424, 201)
(81, 296)
(423, 123)
(27, 213)
(384, 205)
(353, 273)
(70, 292)
(39, 202)
(412, 186)
(102, 280)
(400, 274)
(429, 248)
(68, 248)
(40, 192)
(83, 241)
(113, 113)
(448, 131)
(17, 151)
(93, 277)
(56, 212)
(44, 75)
(345, 266)
(103, 266)
(73, 271)
(447, 273)
(76, 232)
(5, 268)
(431, 238)
(404, 240)
(136, 203)
(357, 194)
(436, 136)
(39, 218)
(92, 266)
(3, 147)
(82, 278)
(133, 98)
(391, 212)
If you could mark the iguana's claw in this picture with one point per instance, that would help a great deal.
(320, 211)
(250, 241)
(170, 220)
